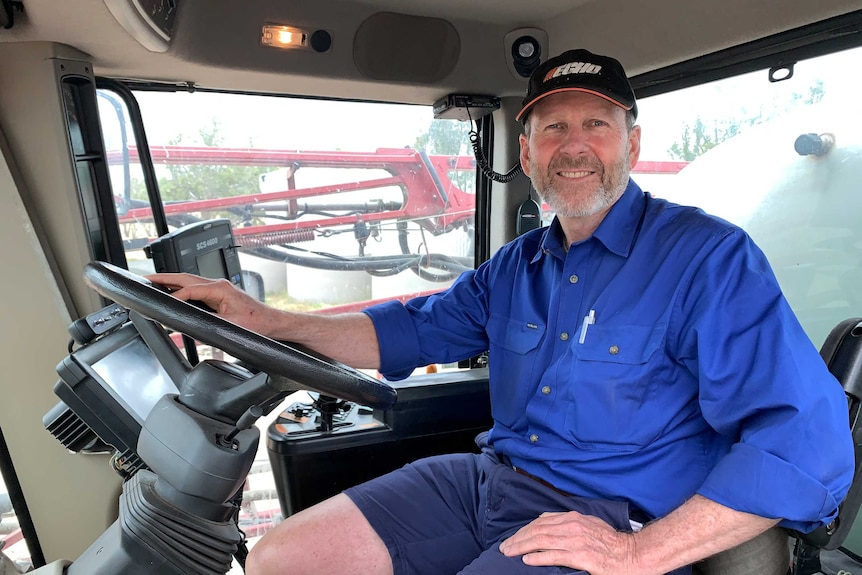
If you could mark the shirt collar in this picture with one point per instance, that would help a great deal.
(616, 231)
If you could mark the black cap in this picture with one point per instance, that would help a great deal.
(580, 71)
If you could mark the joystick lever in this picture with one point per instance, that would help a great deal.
(245, 421)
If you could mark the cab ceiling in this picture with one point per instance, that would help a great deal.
(507, 12)
(216, 42)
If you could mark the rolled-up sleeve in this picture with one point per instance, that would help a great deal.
(396, 335)
(764, 385)
(755, 481)
(440, 328)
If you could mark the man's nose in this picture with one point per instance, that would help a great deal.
(574, 141)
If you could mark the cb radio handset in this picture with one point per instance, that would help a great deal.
(529, 215)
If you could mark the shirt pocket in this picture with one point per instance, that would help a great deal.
(613, 391)
(512, 359)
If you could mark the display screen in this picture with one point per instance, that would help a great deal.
(211, 265)
(136, 377)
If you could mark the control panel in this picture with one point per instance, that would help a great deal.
(205, 249)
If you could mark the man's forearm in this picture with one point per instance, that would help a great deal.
(348, 338)
(697, 529)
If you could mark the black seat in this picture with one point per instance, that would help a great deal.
(842, 352)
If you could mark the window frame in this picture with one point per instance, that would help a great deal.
(773, 52)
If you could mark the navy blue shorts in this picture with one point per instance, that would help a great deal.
(447, 515)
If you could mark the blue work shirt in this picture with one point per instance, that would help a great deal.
(652, 361)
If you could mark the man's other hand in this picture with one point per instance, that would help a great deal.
(574, 540)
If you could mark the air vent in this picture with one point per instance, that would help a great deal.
(72, 432)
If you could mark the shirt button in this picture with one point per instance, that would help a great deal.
(546, 390)
(573, 279)
(564, 336)
(534, 438)
(614, 350)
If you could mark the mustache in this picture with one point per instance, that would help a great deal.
(568, 164)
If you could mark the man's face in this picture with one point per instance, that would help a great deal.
(579, 152)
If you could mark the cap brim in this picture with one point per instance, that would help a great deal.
(532, 102)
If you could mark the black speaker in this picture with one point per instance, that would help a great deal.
(526, 55)
(525, 50)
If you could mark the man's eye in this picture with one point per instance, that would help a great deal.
(598, 123)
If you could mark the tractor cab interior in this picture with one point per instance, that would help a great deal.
(325, 156)
(190, 440)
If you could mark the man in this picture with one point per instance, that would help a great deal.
(644, 368)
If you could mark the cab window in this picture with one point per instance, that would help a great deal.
(334, 205)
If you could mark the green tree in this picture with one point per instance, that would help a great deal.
(199, 182)
(191, 182)
(695, 140)
(449, 138)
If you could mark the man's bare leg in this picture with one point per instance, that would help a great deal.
(333, 537)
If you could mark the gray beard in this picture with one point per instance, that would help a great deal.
(613, 184)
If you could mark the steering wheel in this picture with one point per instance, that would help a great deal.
(312, 370)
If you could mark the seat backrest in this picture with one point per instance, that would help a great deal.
(842, 352)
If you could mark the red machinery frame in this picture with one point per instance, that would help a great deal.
(430, 197)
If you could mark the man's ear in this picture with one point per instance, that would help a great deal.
(634, 146)
(525, 154)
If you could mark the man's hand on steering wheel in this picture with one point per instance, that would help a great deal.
(227, 301)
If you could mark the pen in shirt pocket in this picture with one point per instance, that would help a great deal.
(589, 320)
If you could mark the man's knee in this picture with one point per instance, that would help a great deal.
(262, 559)
(330, 537)
(273, 551)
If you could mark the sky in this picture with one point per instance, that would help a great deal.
(283, 123)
